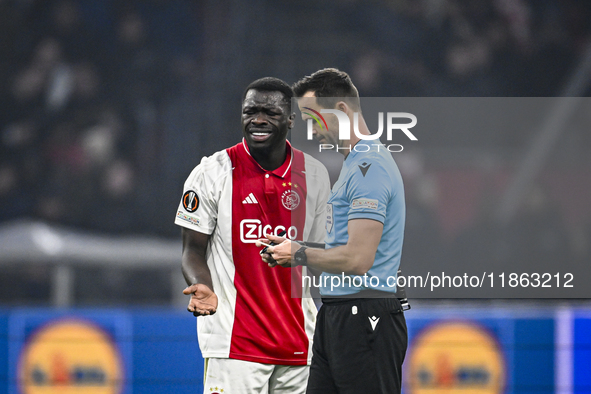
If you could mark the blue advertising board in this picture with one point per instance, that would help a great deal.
(99, 351)
(155, 350)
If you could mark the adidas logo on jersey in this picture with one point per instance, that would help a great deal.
(250, 199)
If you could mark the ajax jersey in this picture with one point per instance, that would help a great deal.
(229, 196)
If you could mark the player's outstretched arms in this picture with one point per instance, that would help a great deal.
(203, 300)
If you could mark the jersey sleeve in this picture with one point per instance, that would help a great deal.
(369, 192)
(198, 208)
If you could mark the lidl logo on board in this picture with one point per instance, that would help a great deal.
(70, 356)
(455, 357)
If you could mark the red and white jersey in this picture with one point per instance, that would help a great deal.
(231, 197)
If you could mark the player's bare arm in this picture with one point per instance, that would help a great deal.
(203, 300)
(354, 258)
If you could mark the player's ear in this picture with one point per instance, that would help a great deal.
(291, 120)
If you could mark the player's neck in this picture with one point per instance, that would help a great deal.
(269, 159)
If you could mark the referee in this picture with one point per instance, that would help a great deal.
(361, 337)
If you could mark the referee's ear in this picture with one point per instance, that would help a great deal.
(291, 120)
(344, 107)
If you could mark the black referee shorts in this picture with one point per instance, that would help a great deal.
(359, 347)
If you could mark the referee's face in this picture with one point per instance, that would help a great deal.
(266, 119)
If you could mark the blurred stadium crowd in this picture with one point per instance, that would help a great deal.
(105, 106)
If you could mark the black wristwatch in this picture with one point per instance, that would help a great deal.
(300, 257)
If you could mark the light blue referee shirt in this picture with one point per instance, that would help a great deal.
(369, 187)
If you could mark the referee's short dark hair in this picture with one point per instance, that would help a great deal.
(271, 84)
(327, 84)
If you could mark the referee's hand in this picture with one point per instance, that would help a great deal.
(280, 252)
(268, 259)
(203, 301)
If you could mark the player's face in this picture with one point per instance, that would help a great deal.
(266, 119)
(322, 134)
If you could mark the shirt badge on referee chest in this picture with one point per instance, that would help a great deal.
(290, 197)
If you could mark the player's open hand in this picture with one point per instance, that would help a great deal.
(280, 253)
(203, 300)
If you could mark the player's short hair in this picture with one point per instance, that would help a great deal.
(271, 84)
(328, 84)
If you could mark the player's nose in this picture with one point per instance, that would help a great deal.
(259, 119)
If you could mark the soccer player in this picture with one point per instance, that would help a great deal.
(361, 337)
(255, 337)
